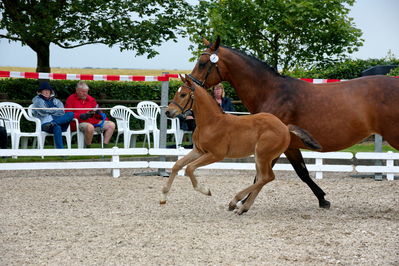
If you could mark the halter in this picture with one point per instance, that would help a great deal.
(213, 61)
(190, 101)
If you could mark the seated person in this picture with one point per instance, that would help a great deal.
(187, 121)
(224, 102)
(3, 138)
(53, 121)
(89, 120)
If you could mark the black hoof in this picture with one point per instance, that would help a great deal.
(325, 204)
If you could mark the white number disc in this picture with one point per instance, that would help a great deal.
(214, 58)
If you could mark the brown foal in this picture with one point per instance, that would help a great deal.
(219, 135)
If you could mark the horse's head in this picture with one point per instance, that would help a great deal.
(207, 72)
(183, 99)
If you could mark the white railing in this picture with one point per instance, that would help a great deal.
(319, 166)
(389, 169)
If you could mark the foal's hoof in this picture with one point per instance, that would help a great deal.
(325, 204)
(162, 202)
(241, 211)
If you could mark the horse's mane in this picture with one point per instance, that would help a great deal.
(255, 61)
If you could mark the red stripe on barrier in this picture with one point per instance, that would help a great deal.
(112, 77)
(308, 80)
(86, 76)
(5, 74)
(59, 76)
(176, 76)
(333, 80)
(31, 75)
(163, 78)
(138, 78)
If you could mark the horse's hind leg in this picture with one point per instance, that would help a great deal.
(296, 160)
(191, 156)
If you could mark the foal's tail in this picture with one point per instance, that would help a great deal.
(305, 136)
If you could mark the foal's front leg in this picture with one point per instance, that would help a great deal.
(205, 159)
(191, 156)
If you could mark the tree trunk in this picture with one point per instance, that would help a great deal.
(43, 58)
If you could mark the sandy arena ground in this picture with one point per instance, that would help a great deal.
(86, 217)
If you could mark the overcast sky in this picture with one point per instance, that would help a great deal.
(378, 19)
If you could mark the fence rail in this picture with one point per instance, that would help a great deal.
(319, 166)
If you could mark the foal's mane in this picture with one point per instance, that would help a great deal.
(255, 62)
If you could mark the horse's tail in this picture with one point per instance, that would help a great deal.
(305, 136)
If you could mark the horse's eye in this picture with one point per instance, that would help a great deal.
(183, 95)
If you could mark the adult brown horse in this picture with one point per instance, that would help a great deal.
(338, 115)
(219, 135)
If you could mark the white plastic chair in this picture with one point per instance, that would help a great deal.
(11, 113)
(149, 111)
(176, 131)
(44, 134)
(122, 114)
(81, 136)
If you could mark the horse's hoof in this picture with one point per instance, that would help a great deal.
(325, 204)
(162, 202)
(209, 193)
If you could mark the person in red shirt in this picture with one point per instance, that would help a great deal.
(89, 120)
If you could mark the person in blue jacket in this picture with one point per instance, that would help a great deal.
(220, 97)
(54, 121)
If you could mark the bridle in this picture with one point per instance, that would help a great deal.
(213, 58)
(189, 101)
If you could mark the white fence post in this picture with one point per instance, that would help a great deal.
(115, 159)
(319, 163)
(390, 176)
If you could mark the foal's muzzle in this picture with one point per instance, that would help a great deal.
(171, 113)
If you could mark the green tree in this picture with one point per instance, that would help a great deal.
(285, 33)
(132, 25)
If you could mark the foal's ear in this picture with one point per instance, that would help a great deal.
(182, 78)
(189, 81)
(215, 46)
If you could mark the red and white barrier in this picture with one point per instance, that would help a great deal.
(61, 76)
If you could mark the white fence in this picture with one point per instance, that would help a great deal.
(319, 166)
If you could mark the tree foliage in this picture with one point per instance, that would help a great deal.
(137, 25)
(285, 33)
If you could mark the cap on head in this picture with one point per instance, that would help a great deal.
(45, 86)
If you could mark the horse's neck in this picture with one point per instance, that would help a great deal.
(205, 107)
(251, 83)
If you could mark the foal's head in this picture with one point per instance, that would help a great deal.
(183, 99)
(207, 71)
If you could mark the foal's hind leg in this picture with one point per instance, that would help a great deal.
(191, 156)
(264, 175)
(242, 201)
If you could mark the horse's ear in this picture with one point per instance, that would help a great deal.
(215, 46)
(182, 78)
(206, 42)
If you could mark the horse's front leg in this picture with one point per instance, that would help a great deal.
(205, 159)
(296, 160)
(191, 156)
